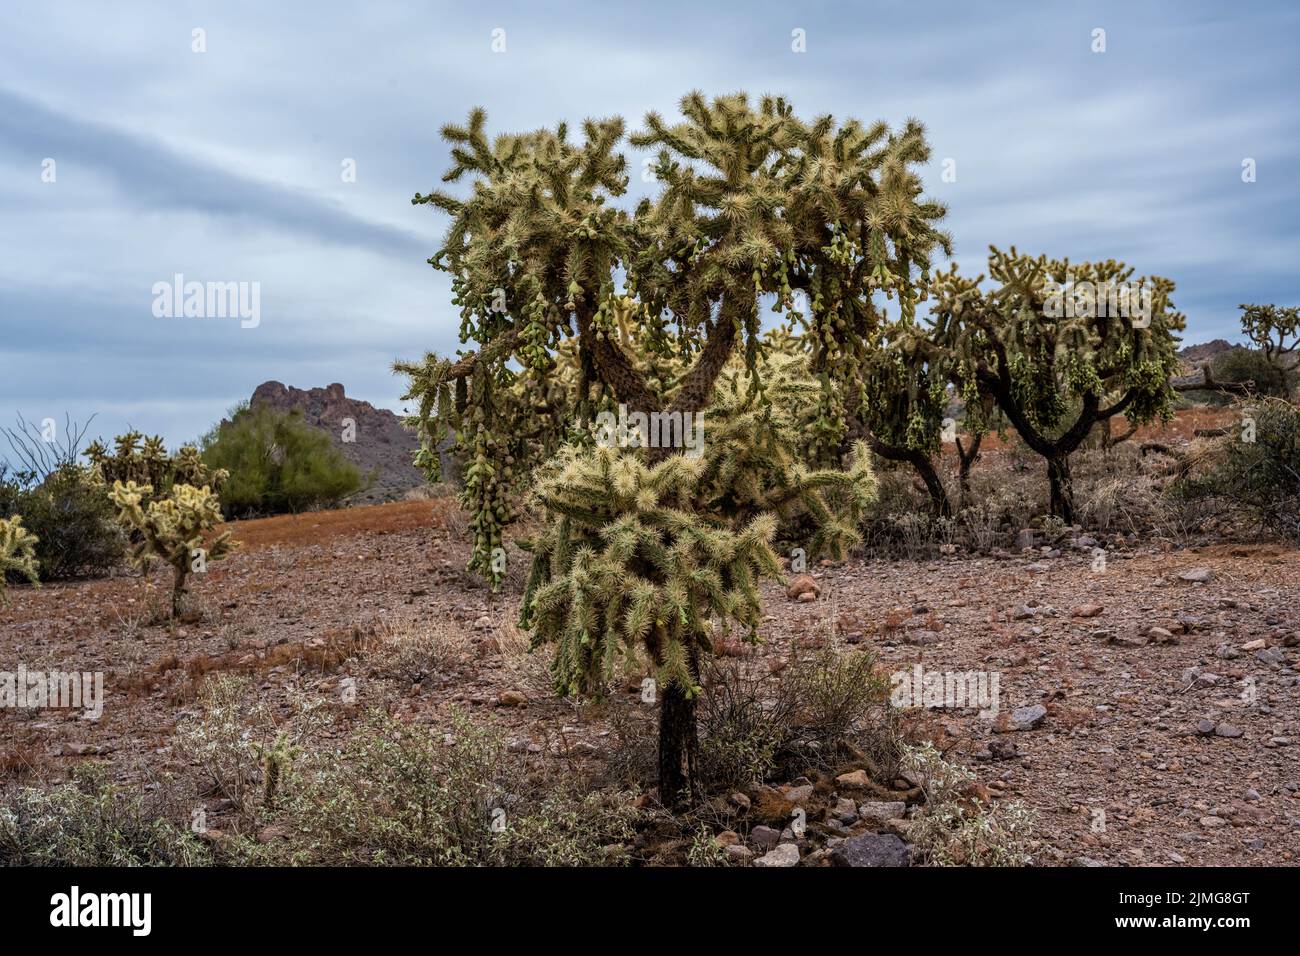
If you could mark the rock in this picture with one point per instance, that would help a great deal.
(1087, 610)
(727, 838)
(787, 854)
(845, 810)
(380, 446)
(882, 810)
(1226, 652)
(872, 849)
(1205, 727)
(1252, 795)
(511, 698)
(764, 836)
(1161, 635)
(1175, 857)
(803, 584)
(856, 779)
(1022, 612)
(1211, 822)
(1226, 729)
(738, 853)
(1271, 656)
(799, 795)
(1196, 575)
(1258, 645)
(1027, 718)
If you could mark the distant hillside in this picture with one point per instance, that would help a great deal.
(1195, 355)
(382, 445)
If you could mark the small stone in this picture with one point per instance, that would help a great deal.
(727, 838)
(1211, 822)
(799, 795)
(856, 779)
(1027, 718)
(1226, 729)
(1205, 727)
(872, 849)
(738, 853)
(1252, 795)
(845, 810)
(1087, 610)
(764, 836)
(1258, 645)
(787, 854)
(1196, 575)
(802, 584)
(882, 810)
(1175, 857)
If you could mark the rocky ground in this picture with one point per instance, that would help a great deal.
(1147, 707)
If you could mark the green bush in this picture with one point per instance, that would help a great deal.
(278, 463)
(1257, 468)
(1240, 365)
(72, 519)
(90, 823)
(397, 794)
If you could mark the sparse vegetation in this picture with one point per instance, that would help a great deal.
(277, 463)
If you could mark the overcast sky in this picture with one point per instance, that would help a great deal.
(225, 165)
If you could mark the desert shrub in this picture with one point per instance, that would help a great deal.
(224, 738)
(953, 827)
(396, 794)
(72, 519)
(278, 463)
(1258, 478)
(1240, 365)
(88, 822)
(825, 706)
(17, 553)
(411, 651)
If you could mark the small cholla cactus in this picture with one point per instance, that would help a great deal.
(276, 759)
(146, 462)
(172, 528)
(17, 553)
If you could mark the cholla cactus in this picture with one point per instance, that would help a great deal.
(172, 528)
(17, 553)
(145, 461)
(638, 558)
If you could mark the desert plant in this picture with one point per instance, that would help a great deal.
(276, 462)
(175, 529)
(1275, 330)
(1060, 346)
(17, 554)
(1257, 468)
(397, 795)
(88, 822)
(72, 519)
(1246, 365)
(754, 202)
(954, 827)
